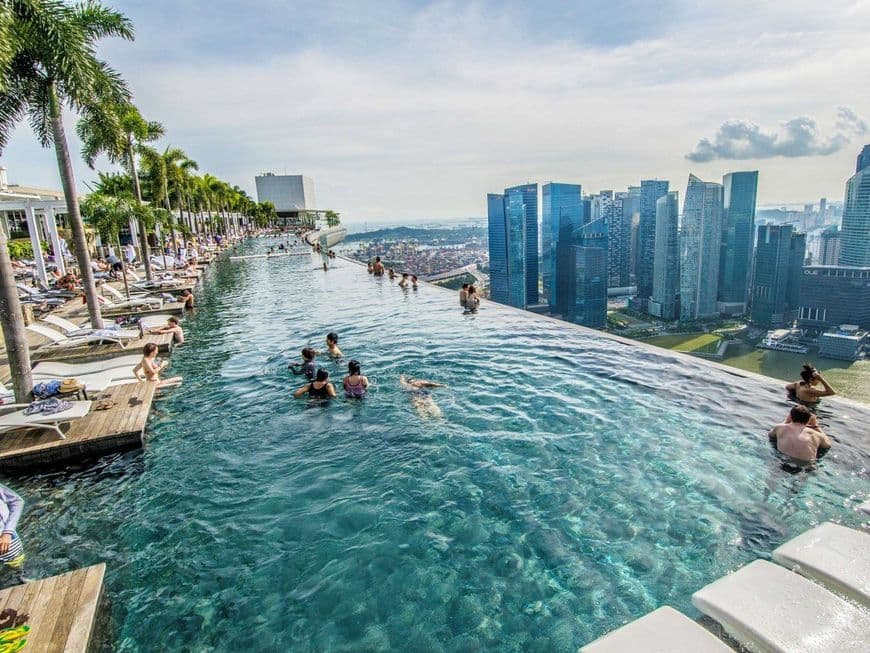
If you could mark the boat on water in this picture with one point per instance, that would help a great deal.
(783, 340)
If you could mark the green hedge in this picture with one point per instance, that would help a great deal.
(21, 248)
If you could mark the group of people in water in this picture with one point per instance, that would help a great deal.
(377, 269)
(800, 436)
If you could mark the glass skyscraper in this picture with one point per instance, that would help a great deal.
(582, 280)
(513, 245)
(738, 230)
(618, 242)
(779, 257)
(650, 192)
(700, 243)
(863, 159)
(561, 204)
(855, 228)
(664, 302)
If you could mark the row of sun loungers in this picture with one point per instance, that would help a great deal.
(816, 599)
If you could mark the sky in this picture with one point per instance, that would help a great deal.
(404, 109)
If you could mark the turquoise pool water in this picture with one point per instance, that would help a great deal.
(573, 483)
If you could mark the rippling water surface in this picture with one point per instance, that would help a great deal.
(572, 484)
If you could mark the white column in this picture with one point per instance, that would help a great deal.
(35, 242)
(134, 234)
(51, 228)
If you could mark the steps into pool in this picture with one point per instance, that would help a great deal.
(768, 608)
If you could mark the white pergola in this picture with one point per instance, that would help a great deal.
(47, 209)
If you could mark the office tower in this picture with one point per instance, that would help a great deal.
(513, 245)
(618, 243)
(829, 246)
(561, 203)
(834, 295)
(823, 209)
(631, 209)
(776, 276)
(601, 204)
(738, 230)
(700, 249)
(664, 302)
(650, 192)
(855, 227)
(582, 262)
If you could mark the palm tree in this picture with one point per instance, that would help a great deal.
(121, 135)
(178, 167)
(12, 323)
(108, 213)
(54, 64)
(333, 219)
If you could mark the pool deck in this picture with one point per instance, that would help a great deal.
(61, 609)
(170, 308)
(99, 432)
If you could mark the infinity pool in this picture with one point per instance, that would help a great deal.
(573, 483)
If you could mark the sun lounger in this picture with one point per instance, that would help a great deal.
(62, 370)
(71, 329)
(61, 341)
(16, 420)
(831, 555)
(663, 631)
(96, 381)
(133, 302)
(768, 609)
(153, 321)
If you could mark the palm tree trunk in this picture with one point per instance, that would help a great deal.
(67, 179)
(12, 323)
(143, 237)
(172, 222)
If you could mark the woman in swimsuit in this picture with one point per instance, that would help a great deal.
(151, 368)
(320, 388)
(804, 390)
(355, 384)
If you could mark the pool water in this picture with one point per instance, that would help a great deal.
(573, 483)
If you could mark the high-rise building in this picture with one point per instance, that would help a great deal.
(650, 192)
(738, 230)
(561, 203)
(631, 209)
(700, 249)
(855, 229)
(776, 276)
(823, 209)
(513, 245)
(664, 302)
(829, 246)
(863, 159)
(582, 281)
(291, 194)
(832, 295)
(618, 243)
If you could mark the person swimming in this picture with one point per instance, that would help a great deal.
(319, 388)
(308, 366)
(355, 383)
(805, 390)
(421, 398)
(332, 345)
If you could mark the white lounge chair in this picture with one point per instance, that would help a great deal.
(62, 369)
(153, 321)
(768, 609)
(133, 302)
(834, 556)
(95, 381)
(61, 341)
(73, 330)
(662, 631)
(16, 420)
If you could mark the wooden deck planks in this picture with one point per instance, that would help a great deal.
(62, 609)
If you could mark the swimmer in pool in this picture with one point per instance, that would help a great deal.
(319, 388)
(805, 390)
(800, 436)
(332, 345)
(421, 399)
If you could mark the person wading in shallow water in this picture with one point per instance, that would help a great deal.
(806, 390)
(320, 388)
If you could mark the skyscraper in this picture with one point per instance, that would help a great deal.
(738, 229)
(561, 203)
(776, 276)
(513, 245)
(829, 246)
(664, 302)
(650, 192)
(834, 295)
(631, 209)
(582, 279)
(855, 230)
(618, 242)
(863, 159)
(700, 244)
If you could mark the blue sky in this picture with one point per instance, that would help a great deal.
(414, 109)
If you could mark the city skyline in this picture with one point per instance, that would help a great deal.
(395, 95)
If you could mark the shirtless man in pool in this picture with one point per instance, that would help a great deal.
(800, 437)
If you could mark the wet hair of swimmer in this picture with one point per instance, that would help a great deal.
(353, 368)
(149, 349)
(322, 375)
(308, 353)
(332, 337)
(173, 320)
(808, 372)
(800, 414)
(465, 286)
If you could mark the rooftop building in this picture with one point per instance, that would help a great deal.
(291, 194)
(847, 342)
(831, 295)
(700, 240)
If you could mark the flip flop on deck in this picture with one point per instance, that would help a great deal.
(831, 555)
(768, 609)
(663, 631)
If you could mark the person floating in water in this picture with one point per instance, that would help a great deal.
(421, 398)
(805, 390)
(308, 366)
(800, 436)
(332, 345)
(319, 388)
(355, 383)
(11, 549)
